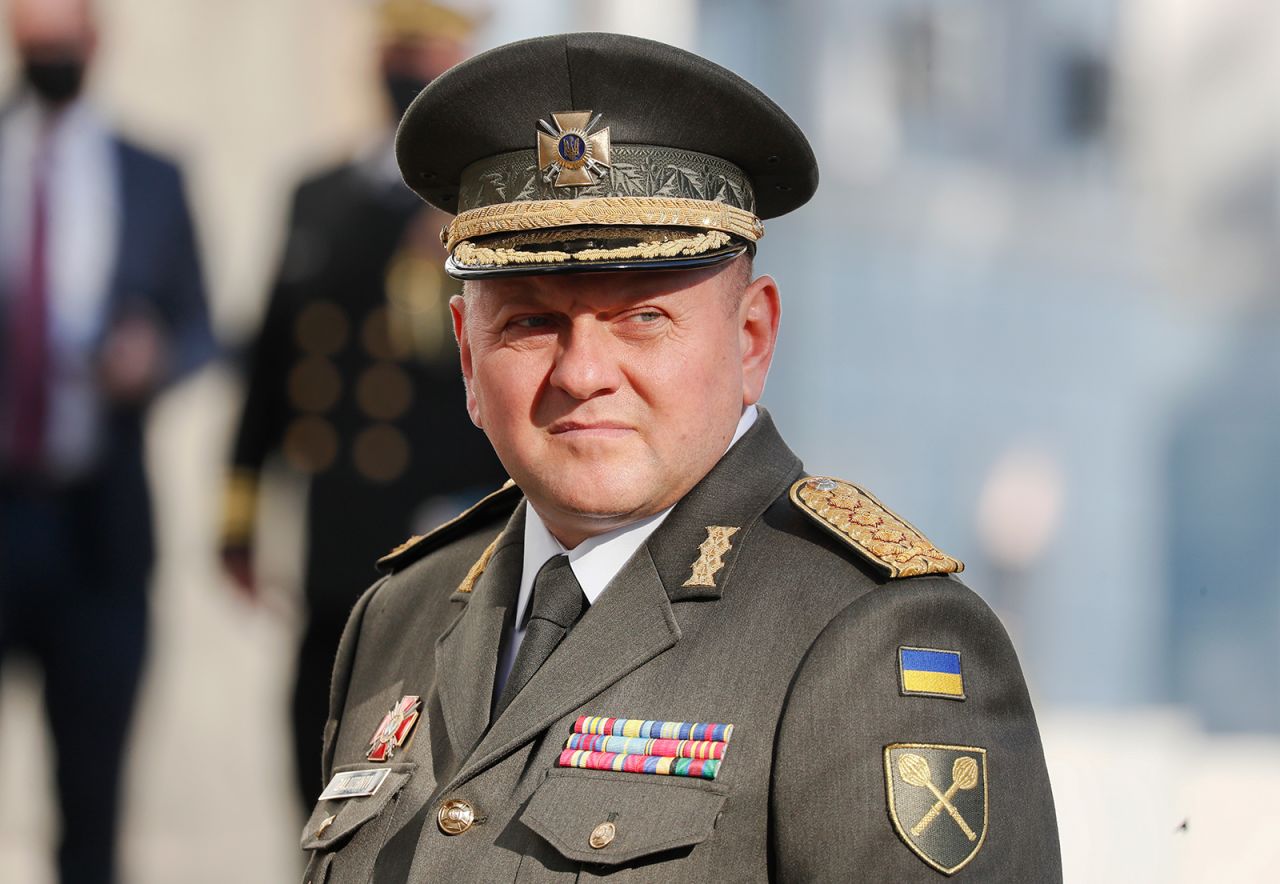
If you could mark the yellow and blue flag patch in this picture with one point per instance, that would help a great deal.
(929, 672)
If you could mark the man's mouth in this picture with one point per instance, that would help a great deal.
(584, 429)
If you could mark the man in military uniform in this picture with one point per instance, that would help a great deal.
(663, 651)
(353, 377)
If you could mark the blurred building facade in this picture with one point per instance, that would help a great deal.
(1028, 240)
(1212, 144)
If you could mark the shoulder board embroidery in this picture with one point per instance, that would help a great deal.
(421, 544)
(855, 516)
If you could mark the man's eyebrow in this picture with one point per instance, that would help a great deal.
(613, 299)
(501, 298)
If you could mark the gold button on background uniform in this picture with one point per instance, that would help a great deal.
(310, 444)
(314, 384)
(384, 391)
(418, 291)
(381, 453)
(602, 835)
(455, 816)
(322, 329)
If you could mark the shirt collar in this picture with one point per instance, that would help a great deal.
(597, 560)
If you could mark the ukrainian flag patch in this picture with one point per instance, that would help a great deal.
(929, 672)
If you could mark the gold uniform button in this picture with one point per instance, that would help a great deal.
(602, 835)
(322, 329)
(310, 444)
(455, 816)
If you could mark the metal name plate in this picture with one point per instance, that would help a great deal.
(354, 784)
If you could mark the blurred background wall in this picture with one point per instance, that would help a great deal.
(1035, 306)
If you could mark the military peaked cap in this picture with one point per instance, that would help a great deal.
(600, 152)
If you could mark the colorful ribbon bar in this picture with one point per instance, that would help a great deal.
(638, 746)
(705, 768)
(652, 730)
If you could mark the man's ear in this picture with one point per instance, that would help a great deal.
(458, 307)
(759, 313)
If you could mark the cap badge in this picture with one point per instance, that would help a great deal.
(568, 154)
(395, 729)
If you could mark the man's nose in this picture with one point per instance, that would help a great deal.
(586, 365)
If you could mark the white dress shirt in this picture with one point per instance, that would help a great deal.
(595, 561)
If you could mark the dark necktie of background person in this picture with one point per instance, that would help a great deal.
(558, 603)
(29, 335)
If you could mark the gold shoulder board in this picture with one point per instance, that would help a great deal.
(421, 544)
(887, 540)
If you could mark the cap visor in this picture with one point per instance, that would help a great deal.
(590, 248)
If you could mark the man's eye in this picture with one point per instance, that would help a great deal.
(647, 316)
(531, 322)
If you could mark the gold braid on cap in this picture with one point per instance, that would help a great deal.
(468, 254)
(649, 211)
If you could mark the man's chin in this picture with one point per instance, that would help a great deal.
(596, 508)
(590, 501)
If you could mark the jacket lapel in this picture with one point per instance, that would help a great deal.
(633, 620)
(629, 625)
(467, 655)
(753, 474)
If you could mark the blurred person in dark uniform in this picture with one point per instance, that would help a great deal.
(101, 306)
(354, 378)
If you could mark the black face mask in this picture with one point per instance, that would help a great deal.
(54, 80)
(402, 90)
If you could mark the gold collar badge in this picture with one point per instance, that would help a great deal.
(568, 154)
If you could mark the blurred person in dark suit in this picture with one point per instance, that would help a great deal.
(101, 306)
(353, 376)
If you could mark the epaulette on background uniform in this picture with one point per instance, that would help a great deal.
(879, 535)
(499, 503)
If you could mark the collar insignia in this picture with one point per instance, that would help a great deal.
(395, 729)
(711, 555)
(568, 154)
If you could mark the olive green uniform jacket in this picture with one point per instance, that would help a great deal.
(796, 645)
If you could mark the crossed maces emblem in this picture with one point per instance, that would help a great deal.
(917, 801)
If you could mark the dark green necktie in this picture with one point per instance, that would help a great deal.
(558, 602)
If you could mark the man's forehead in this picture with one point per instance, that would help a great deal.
(621, 286)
